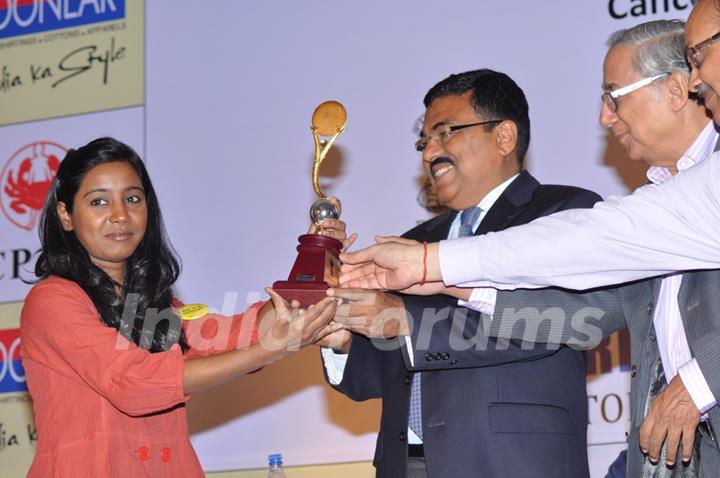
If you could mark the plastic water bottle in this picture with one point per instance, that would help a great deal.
(275, 466)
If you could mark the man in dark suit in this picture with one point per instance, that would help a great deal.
(502, 412)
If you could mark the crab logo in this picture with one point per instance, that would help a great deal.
(26, 179)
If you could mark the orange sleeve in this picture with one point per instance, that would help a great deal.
(60, 329)
(216, 333)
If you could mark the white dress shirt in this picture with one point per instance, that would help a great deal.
(335, 362)
(673, 346)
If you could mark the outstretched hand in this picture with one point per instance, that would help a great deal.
(288, 328)
(370, 313)
(394, 263)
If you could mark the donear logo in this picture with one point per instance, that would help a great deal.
(26, 180)
(23, 17)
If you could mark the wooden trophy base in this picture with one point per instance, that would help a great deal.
(316, 269)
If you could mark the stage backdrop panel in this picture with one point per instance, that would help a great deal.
(17, 427)
(67, 57)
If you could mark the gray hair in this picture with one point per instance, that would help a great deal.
(660, 47)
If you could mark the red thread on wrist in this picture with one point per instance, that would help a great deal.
(424, 276)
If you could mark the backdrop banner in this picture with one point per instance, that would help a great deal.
(71, 56)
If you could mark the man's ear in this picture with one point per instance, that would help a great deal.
(64, 215)
(506, 133)
(677, 86)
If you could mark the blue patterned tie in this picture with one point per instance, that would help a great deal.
(415, 418)
(467, 220)
(468, 217)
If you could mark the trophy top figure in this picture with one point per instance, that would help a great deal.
(328, 119)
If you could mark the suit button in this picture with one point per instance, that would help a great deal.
(438, 356)
(165, 455)
(649, 308)
(429, 357)
(453, 362)
(445, 356)
(633, 371)
(143, 453)
(402, 436)
(406, 380)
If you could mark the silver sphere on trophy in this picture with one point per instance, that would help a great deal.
(323, 209)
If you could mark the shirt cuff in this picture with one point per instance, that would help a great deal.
(696, 386)
(454, 271)
(334, 364)
(482, 299)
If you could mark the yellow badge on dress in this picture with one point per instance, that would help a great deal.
(193, 311)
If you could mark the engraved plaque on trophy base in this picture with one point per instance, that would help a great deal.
(316, 269)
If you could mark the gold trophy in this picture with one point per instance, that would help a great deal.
(317, 266)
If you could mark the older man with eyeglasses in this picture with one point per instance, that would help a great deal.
(650, 111)
(648, 107)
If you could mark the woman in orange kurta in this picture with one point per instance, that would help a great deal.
(108, 376)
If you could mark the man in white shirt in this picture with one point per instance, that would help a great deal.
(673, 226)
(497, 414)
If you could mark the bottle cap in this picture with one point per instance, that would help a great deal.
(193, 311)
(275, 459)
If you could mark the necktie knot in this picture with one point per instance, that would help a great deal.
(468, 217)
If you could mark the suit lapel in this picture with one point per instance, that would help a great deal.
(509, 205)
(438, 229)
